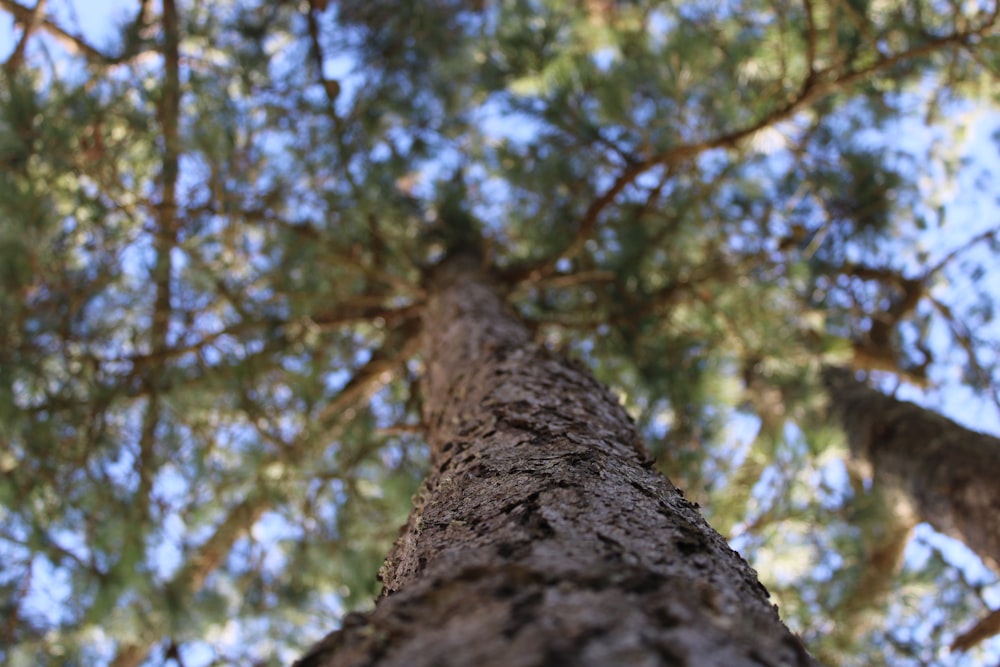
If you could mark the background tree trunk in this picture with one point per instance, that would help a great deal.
(948, 473)
(542, 536)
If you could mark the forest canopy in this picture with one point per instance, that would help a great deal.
(215, 218)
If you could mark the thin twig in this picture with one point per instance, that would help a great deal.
(988, 235)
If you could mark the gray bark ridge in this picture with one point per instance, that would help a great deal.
(542, 535)
(949, 474)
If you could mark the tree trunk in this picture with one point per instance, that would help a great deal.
(948, 473)
(542, 535)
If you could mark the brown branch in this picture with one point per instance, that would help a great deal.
(578, 278)
(14, 603)
(403, 429)
(988, 235)
(372, 375)
(875, 355)
(131, 385)
(986, 627)
(371, 270)
(574, 123)
(885, 524)
(239, 519)
(170, 105)
(810, 92)
(76, 44)
(164, 242)
(963, 335)
(987, 66)
(814, 88)
(866, 356)
(877, 350)
(861, 23)
(585, 228)
(330, 86)
(812, 38)
(876, 273)
(69, 41)
(30, 25)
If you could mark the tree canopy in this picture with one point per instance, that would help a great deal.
(213, 226)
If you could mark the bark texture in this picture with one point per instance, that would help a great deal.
(949, 474)
(542, 535)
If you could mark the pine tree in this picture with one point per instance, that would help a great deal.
(217, 329)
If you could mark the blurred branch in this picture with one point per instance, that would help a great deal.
(575, 123)
(862, 25)
(13, 621)
(330, 86)
(964, 336)
(377, 372)
(585, 227)
(403, 429)
(164, 242)
(877, 352)
(812, 38)
(815, 89)
(878, 349)
(988, 235)
(31, 24)
(240, 518)
(75, 44)
(657, 303)
(885, 521)
(129, 385)
(816, 86)
(986, 627)
(70, 42)
(579, 278)
(988, 67)
(371, 270)
(736, 505)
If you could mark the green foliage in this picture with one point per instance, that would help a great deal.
(705, 202)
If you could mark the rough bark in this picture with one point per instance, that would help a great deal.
(542, 535)
(947, 472)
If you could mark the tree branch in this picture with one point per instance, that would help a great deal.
(30, 25)
(986, 627)
(76, 44)
(814, 88)
(988, 235)
(164, 243)
(71, 42)
(330, 86)
(812, 38)
(191, 576)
